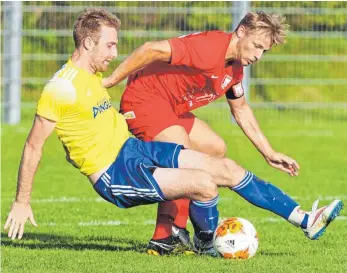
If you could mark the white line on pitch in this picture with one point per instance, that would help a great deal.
(98, 223)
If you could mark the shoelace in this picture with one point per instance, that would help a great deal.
(314, 208)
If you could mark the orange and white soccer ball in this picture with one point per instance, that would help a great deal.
(235, 238)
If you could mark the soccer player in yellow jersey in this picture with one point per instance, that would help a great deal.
(126, 171)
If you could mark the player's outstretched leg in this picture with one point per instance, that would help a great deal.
(262, 194)
(269, 197)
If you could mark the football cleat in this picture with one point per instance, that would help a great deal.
(204, 247)
(182, 235)
(319, 219)
(170, 245)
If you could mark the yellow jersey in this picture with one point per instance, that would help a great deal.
(91, 130)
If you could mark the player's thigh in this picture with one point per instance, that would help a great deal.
(185, 183)
(225, 171)
(178, 130)
(176, 134)
(204, 139)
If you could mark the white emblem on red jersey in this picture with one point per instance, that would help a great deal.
(227, 79)
(238, 90)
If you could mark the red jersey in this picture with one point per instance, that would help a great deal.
(196, 76)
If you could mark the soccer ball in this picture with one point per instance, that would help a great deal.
(235, 238)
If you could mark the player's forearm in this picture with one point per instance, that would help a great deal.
(141, 57)
(249, 125)
(27, 169)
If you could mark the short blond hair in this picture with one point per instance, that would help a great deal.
(89, 23)
(272, 24)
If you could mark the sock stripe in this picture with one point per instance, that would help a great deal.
(206, 204)
(248, 178)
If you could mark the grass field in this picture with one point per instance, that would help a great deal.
(78, 232)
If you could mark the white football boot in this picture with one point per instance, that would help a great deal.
(319, 219)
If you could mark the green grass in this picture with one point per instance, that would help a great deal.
(67, 241)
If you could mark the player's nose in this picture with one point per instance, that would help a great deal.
(258, 55)
(114, 53)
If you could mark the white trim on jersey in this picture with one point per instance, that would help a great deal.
(66, 72)
(69, 74)
(73, 75)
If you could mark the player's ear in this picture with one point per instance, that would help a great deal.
(241, 31)
(88, 43)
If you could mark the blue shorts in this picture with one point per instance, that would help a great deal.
(129, 181)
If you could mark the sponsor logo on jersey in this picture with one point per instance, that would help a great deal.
(129, 115)
(226, 80)
(238, 90)
(101, 107)
(206, 97)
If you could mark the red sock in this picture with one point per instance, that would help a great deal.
(167, 211)
(183, 213)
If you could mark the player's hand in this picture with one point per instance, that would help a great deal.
(17, 218)
(106, 82)
(283, 163)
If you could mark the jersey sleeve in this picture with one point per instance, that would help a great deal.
(202, 50)
(56, 97)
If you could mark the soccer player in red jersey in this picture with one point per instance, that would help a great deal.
(129, 172)
(170, 78)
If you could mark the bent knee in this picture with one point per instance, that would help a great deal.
(218, 149)
(206, 188)
(233, 171)
(221, 149)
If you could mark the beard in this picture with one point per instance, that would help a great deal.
(102, 67)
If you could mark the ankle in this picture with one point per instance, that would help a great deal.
(298, 217)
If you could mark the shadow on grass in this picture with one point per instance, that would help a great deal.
(51, 241)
